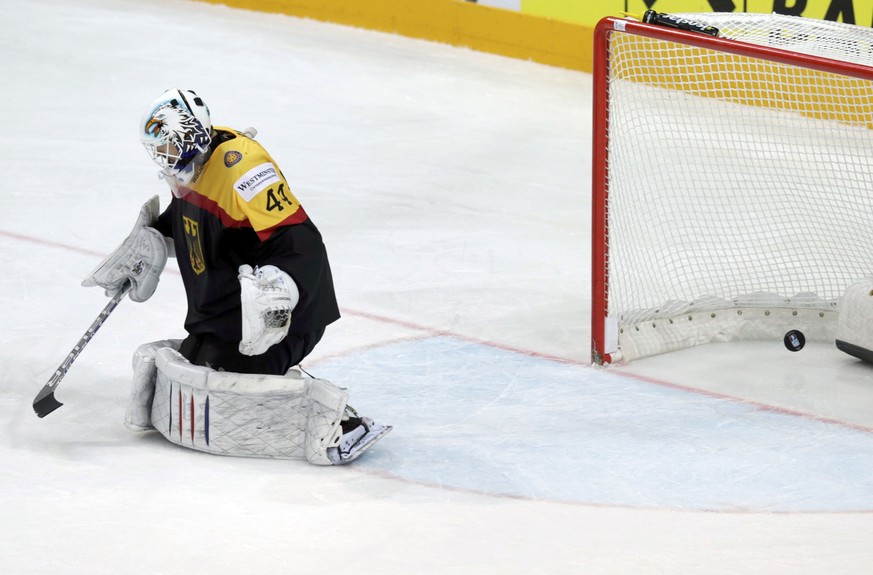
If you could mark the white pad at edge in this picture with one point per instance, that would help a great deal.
(855, 325)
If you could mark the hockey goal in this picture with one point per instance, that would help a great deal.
(732, 180)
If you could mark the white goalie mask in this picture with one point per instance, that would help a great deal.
(175, 130)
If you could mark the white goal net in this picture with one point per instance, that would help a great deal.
(733, 180)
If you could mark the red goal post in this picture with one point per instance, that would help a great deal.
(732, 183)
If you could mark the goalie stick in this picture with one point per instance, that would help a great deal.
(45, 402)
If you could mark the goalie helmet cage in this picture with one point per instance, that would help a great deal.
(732, 180)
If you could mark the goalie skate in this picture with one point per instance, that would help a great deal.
(358, 439)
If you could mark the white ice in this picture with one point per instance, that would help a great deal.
(452, 188)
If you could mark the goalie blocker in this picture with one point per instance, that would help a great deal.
(247, 415)
(855, 327)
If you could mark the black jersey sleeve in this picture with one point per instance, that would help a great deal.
(164, 223)
(299, 251)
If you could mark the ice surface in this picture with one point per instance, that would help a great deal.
(452, 189)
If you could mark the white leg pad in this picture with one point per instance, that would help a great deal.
(855, 326)
(142, 390)
(248, 415)
(323, 431)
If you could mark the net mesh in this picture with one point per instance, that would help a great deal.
(735, 183)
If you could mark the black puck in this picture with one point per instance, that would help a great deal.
(794, 340)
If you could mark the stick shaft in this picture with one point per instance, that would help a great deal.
(45, 398)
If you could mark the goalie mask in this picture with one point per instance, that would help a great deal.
(175, 130)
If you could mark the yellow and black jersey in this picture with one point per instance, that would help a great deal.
(239, 210)
(241, 185)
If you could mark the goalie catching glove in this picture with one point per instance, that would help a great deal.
(139, 259)
(268, 296)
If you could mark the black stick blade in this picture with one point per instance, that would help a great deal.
(46, 404)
